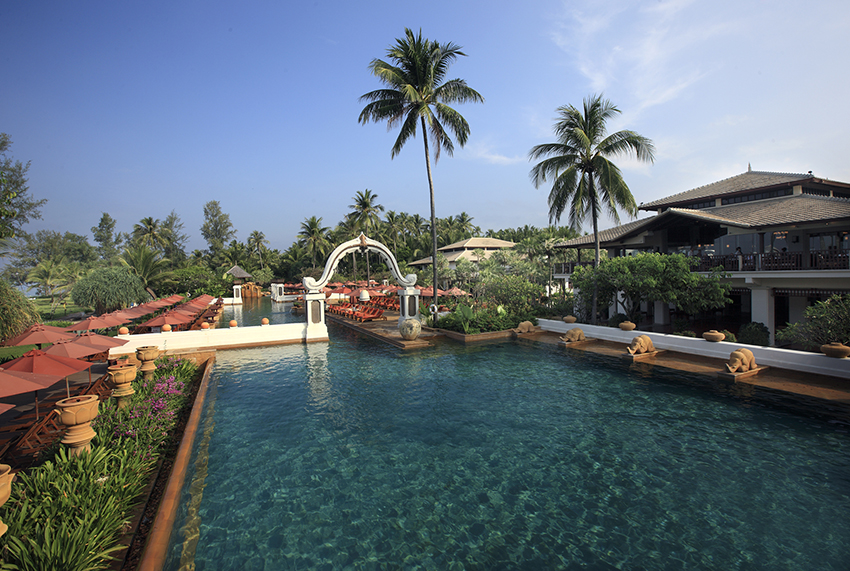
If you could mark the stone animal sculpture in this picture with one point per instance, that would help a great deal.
(524, 327)
(741, 361)
(641, 344)
(573, 335)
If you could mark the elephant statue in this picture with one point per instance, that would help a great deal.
(524, 327)
(741, 361)
(573, 335)
(641, 344)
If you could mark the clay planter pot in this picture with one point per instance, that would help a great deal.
(410, 329)
(147, 353)
(627, 326)
(123, 331)
(166, 328)
(76, 413)
(265, 321)
(121, 374)
(205, 325)
(569, 319)
(714, 336)
(6, 478)
(835, 350)
(233, 323)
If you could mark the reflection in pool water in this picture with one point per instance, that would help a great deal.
(350, 454)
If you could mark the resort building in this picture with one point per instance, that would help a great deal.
(783, 239)
(466, 249)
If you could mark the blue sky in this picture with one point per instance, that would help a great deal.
(138, 108)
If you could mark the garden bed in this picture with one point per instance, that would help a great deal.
(478, 337)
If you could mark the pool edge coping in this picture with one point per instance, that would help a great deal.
(156, 545)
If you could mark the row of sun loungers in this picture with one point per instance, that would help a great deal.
(357, 312)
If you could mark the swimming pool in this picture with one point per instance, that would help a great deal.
(351, 454)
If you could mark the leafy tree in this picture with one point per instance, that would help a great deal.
(217, 229)
(50, 279)
(263, 276)
(197, 280)
(17, 207)
(105, 237)
(416, 91)
(16, 311)
(148, 265)
(584, 178)
(175, 240)
(513, 292)
(826, 322)
(108, 289)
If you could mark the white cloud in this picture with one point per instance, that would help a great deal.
(484, 151)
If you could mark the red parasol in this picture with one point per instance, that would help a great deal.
(39, 334)
(95, 322)
(15, 383)
(72, 349)
(167, 319)
(456, 292)
(101, 342)
(36, 361)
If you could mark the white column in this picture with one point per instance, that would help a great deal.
(763, 309)
(662, 313)
(237, 294)
(314, 309)
(408, 302)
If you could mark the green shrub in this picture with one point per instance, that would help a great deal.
(730, 337)
(70, 513)
(617, 319)
(826, 321)
(16, 311)
(686, 333)
(755, 333)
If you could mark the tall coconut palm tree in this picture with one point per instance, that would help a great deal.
(151, 233)
(314, 238)
(257, 244)
(584, 180)
(394, 227)
(366, 214)
(416, 91)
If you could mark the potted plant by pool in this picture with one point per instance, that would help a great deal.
(76, 413)
(6, 477)
(835, 350)
(714, 336)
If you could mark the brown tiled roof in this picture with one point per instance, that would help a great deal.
(750, 180)
(473, 243)
(785, 210)
(796, 209)
(608, 235)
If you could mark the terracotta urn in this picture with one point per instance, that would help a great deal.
(205, 325)
(569, 319)
(714, 336)
(233, 323)
(265, 321)
(121, 379)
(166, 328)
(123, 331)
(6, 477)
(627, 326)
(410, 329)
(147, 355)
(836, 350)
(76, 413)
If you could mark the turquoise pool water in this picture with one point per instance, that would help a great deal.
(353, 455)
(253, 310)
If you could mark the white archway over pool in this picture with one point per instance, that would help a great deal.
(315, 299)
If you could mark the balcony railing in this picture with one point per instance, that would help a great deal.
(775, 261)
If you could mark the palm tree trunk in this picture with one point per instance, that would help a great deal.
(433, 210)
(593, 213)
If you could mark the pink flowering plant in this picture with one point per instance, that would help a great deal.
(70, 512)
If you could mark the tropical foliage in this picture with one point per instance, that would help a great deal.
(417, 95)
(826, 322)
(108, 289)
(69, 513)
(584, 180)
(16, 311)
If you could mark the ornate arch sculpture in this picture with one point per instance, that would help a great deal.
(363, 244)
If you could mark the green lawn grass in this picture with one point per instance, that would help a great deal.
(62, 309)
